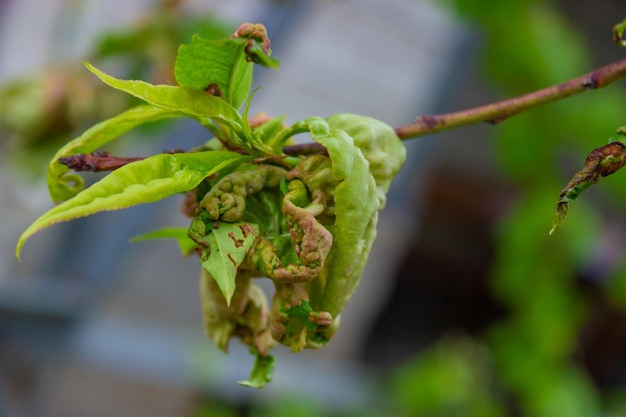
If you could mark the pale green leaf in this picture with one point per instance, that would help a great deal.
(139, 182)
(62, 185)
(228, 245)
(185, 244)
(366, 154)
(356, 207)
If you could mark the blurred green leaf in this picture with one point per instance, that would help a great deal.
(618, 33)
(262, 372)
(185, 244)
(228, 245)
(450, 379)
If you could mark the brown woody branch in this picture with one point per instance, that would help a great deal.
(497, 112)
(492, 113)
(96, 161)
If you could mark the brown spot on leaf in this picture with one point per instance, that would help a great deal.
(214, 90)
(609, 158)
(238, 242)
(230, 257)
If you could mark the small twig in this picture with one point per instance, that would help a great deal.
(308, 148)
(492, 113)
(499, 111)
(96, 161)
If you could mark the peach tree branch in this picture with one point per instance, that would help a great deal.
(497, 112)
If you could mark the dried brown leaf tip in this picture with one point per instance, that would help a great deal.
(254, 32)
(96, 161)
(600, 162)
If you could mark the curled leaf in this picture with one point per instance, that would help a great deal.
(358, 197)
(379, 144)
(258, 44)
(600, 162)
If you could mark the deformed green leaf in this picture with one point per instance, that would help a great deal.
(262, 372)
(185, 244)
(228, 244)
(140, 182)
(62, 185)
(258, 44)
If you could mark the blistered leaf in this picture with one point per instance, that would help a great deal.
(228, 244)
(262, 372)
(258, 44)
(62, 185)
(140, 182)
(222, 63)
(185, 244)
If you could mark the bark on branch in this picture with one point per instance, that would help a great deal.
(499, 111)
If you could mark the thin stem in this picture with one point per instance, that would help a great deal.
(496, 112)
(428, 124)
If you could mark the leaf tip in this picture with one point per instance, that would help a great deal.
(560, 215)
(262, 371)
(618, 34)
(18, 250)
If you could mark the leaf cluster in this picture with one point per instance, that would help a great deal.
(305, 222)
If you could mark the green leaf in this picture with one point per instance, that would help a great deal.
(268, 132)
(62, 185)
(618, 33)
(222, 62)
(185, 244)
(262, 372)
(358, 197)
(356, 207)
(228, 244)
(140, 182)
(193, 103)
(302, 313)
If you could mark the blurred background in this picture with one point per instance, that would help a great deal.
(467, 306)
